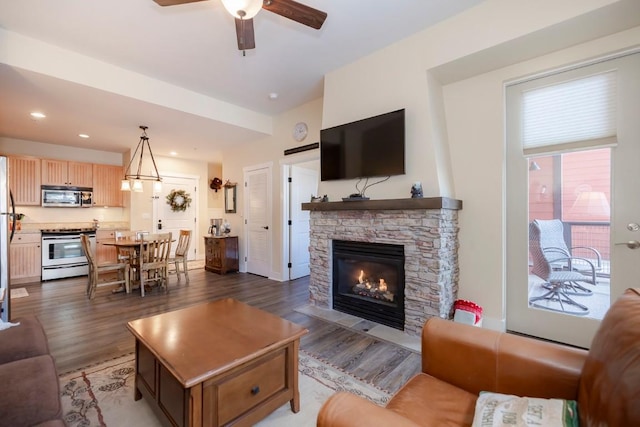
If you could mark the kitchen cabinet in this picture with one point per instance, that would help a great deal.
(221, 254)
(106, 254)
(106, 185)
(61, 172)
(24, 180)
(25, 262)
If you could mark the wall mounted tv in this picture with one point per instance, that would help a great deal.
(372, 147)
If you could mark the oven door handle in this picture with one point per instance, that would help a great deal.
(67, 237)
(61, 266)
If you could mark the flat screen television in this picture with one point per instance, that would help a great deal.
(372, 147)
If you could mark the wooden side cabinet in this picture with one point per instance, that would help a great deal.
(25, 255)
(221, 254)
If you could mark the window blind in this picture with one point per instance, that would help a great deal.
(575, 114)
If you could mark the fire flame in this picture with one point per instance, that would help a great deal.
(368, 287)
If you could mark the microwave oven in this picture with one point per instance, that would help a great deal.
(66, 197)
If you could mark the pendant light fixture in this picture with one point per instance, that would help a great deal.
(133, 181)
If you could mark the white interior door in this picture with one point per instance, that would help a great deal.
(625, 213)
(174, 221)
(258, 219)
(304, 183)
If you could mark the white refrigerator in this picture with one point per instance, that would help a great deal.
(7, 215)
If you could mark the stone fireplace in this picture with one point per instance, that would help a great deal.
(427, 231)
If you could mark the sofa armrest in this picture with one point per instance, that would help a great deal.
(348, 410)
(477, 359)
(28, 339)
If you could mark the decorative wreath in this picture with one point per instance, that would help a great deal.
(179, 200)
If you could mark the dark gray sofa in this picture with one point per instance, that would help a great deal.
(31, 391)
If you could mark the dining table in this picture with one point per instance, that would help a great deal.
(133, 247)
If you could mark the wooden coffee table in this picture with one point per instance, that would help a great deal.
(216, 363)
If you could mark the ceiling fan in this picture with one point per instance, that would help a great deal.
(244, 10)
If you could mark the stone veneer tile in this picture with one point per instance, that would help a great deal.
(430, 240)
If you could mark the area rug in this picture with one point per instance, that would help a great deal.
(19, 293)
(102, 395)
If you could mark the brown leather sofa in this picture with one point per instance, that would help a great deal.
(30, 387)
(460, 361)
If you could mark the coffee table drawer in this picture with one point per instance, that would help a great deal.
(250, 387)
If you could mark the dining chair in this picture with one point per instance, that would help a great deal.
(96, 269)
(181, 254)
(154, 259)
(130, 254)
(124, 254)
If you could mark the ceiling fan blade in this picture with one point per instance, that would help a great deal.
(174, 2)
(298, 12)
(244, 32)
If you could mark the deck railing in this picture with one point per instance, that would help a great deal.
(591, 234)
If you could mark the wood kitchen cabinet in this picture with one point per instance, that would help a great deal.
(106, 185)
(221, 254)
(106, 254)
(61, 172)
(24, 180)
(25, 255)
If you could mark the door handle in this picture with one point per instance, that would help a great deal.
(266, 227)
(631, 244)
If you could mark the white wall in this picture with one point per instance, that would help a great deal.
(141, 204)
(397, 77)
(271, 149)
(51, 151)
(455, 143)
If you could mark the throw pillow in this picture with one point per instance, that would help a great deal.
(503, 410)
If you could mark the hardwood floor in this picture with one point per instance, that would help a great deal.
(83, 332)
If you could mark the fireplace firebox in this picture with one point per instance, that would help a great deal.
(368, 281)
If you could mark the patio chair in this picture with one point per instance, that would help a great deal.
(563, 258)
(560, 283)
(96, 269)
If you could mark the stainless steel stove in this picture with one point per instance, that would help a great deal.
(62, 253)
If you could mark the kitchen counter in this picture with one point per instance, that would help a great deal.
(32, 227)
(28, 231)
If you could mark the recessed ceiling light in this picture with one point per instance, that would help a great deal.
(83, 135)
(173, 153)
(273, 95)
(38, 115)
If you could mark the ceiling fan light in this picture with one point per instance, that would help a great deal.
(249, 7)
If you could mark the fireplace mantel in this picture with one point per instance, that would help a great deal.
(387, 204)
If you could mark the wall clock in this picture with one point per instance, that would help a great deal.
(300, 131)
